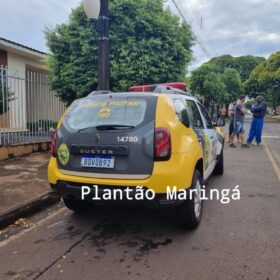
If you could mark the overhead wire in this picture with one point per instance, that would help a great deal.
(200, 28)
(189, 21)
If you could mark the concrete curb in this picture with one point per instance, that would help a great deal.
(27, 208)
(272, 120)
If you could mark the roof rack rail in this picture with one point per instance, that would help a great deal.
(171, 88)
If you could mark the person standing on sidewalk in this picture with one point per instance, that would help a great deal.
(239, 122)
(259, 111)
(231, 109)
(223, 112)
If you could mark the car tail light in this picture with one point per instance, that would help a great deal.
(162, 144)
(53, 143)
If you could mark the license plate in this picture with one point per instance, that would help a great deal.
(98, 161)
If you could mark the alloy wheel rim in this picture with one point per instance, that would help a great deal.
(197, 199)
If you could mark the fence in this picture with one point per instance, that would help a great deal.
(29, 109)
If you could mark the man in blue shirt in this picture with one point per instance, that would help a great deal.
(259, 111)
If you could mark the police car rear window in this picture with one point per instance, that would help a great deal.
(93, 112)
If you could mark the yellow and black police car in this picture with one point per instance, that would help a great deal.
(157, 138)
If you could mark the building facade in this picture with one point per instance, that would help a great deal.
(27, 103)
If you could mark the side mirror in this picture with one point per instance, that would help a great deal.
(220, 123)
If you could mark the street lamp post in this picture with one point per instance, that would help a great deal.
(103, 56)
(93, 9)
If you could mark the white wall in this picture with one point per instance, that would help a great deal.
(17, 85)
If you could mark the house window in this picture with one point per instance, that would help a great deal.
(3, 58)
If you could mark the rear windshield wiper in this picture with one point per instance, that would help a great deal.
(107, 127)
(86, 128)
(113, 126)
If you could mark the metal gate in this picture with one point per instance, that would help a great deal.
(29, 109)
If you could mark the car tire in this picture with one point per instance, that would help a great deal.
(188, 214)
(219, 168)
(74, 204)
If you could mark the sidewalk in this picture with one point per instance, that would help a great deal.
(23, 184)
(273, 118)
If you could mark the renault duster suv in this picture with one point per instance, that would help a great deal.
(127, 140)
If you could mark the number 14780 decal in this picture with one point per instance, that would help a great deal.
(128, 139)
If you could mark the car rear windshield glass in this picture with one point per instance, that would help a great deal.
(93, 112)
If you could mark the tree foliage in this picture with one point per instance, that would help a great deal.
(214, 88)
(265, 80)
(244, 65)
(228, 72)
(219, 87)
(232, 81)
(148, 45)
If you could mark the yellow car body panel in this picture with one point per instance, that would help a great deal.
(177, 171)
(220, 131)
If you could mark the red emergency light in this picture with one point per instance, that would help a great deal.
(146, 88)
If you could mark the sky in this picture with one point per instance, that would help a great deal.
(239, 27)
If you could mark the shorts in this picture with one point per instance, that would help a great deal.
(239, 127)
(231, 127)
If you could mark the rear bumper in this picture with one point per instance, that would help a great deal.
(176, 172)
(119, 195)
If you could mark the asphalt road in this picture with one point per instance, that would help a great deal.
(239, 240)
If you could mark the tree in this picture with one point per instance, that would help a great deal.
(198, 78)
(244, 65)
(148, 45)
(208, 84)
(215, 89)
(231, 71)
(232, 81)
(265, 80)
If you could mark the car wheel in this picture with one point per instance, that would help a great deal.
(219, 168)
(74, 204)
(189, 213)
